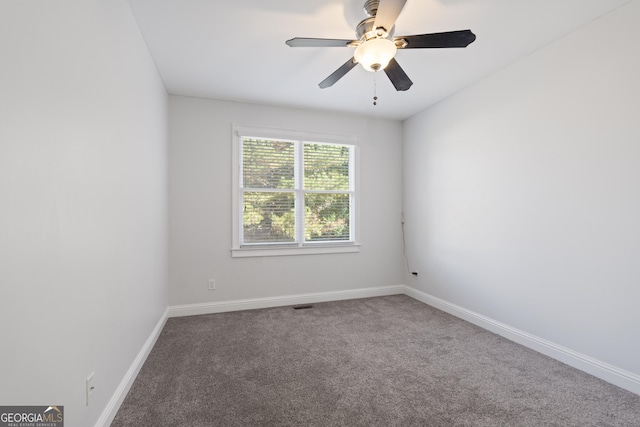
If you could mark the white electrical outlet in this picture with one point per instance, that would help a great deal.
(90, 386)
(212, 284)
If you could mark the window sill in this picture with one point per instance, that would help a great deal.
(305, 250)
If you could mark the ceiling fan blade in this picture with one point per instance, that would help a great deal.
(397, 75)
(338, 74)
(387, 14)
(462, 38)
(309, 42)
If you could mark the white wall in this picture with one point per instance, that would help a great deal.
(200, 207)
(84, 204)
(522, 194)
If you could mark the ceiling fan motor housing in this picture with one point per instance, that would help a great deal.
(365, 30)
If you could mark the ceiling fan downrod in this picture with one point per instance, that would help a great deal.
(371, 7)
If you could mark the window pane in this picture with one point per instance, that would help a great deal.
(326, 167)
(267, 163)
(268, 217)
(326, 217)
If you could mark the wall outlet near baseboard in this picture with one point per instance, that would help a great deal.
(90, 386)
(212, 284)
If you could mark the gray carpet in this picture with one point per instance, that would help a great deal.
(389, 361)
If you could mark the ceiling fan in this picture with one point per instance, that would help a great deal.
(376, 46)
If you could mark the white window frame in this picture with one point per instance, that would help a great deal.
(301, 247)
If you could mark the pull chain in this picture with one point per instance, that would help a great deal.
(375, 96)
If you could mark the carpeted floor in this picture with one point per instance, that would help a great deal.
(388, 361)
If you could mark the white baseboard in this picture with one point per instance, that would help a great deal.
(597, 368)
(250, 304)
(110, 411)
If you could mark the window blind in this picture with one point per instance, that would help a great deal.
(294, 192)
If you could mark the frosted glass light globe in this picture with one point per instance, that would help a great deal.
(375, 54)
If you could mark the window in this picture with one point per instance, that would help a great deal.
(294, 192)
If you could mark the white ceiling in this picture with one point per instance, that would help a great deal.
(235, 49)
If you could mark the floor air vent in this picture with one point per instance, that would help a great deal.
(302, 306)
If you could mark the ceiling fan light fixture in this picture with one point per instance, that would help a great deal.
(375, 54)
(376, 45)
